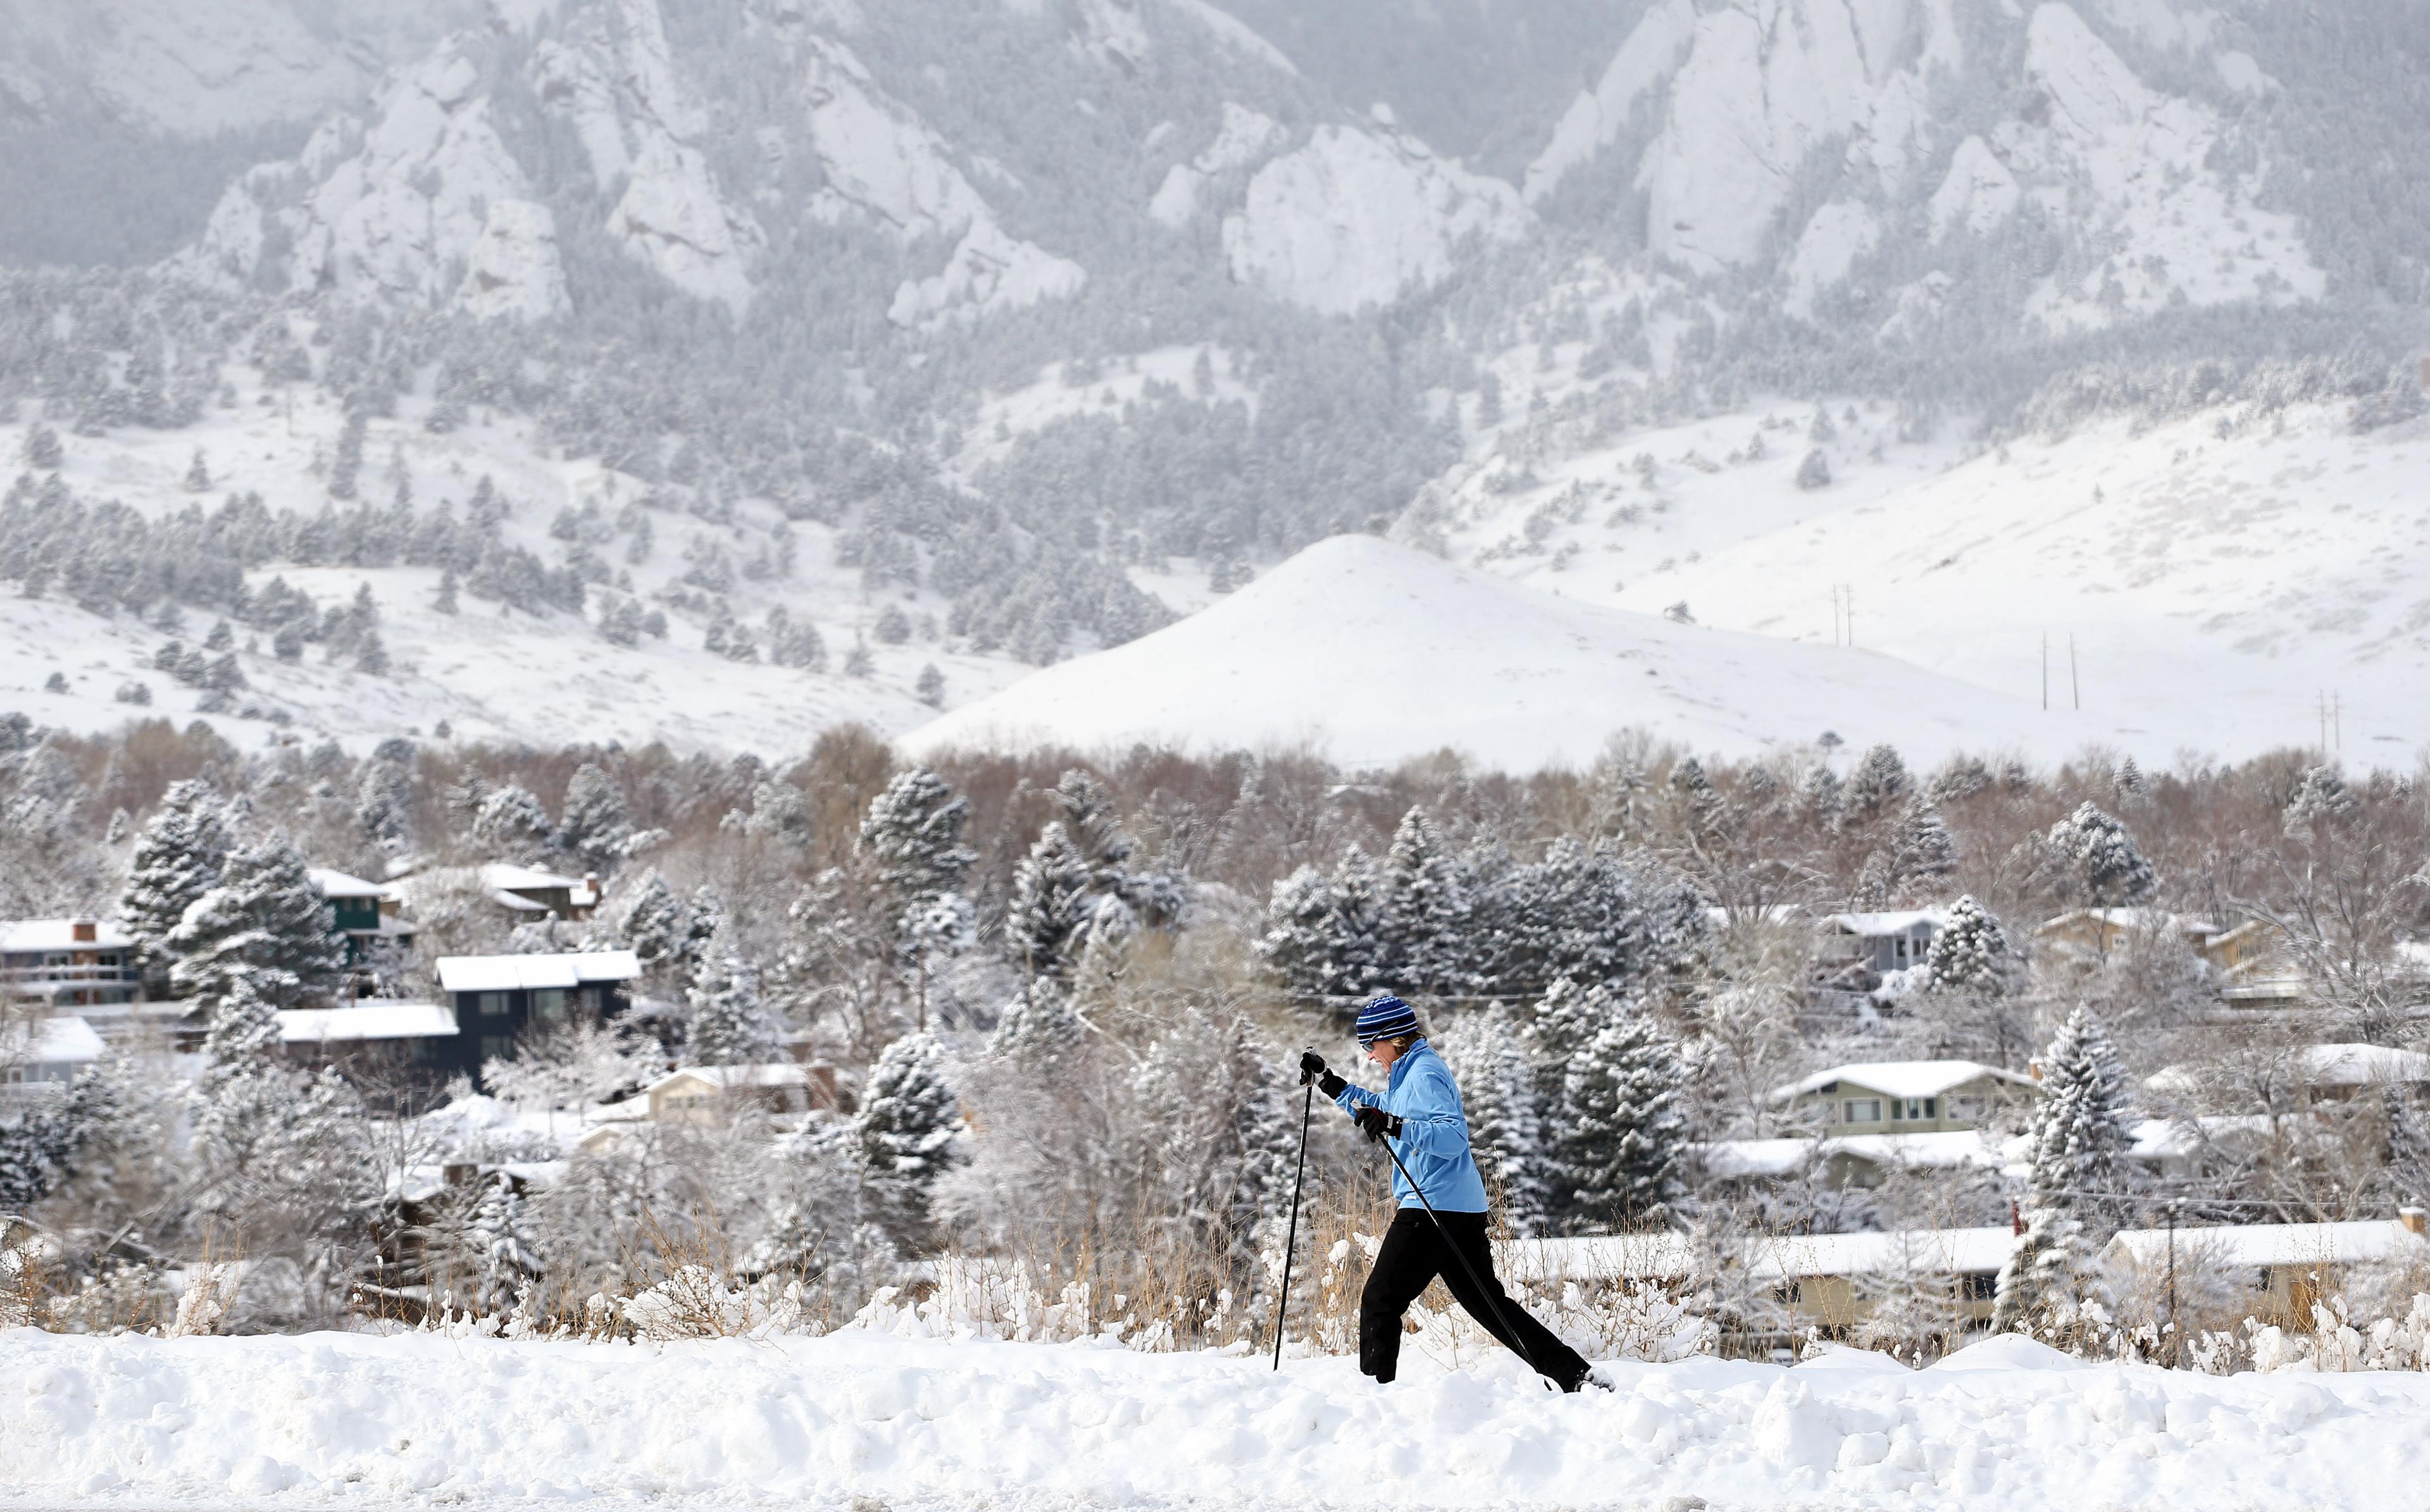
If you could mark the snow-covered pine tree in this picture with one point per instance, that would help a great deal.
(177, 858)
(264, 921)
(1922, 853)
(906, 1129)
(1422, 914)
(1879, 783)
(1038, 1028)
(512, 818)
(243, 1030)
(384, 805)
(593, 824)
(2076, 1161)
(2098, 859)
(41, 451)
(1046, 919)
(1620, 1159)
(443, 601)
(729, 1024)
(2321, 797)
(1321, 932)
(653, 923)
(199, 474)
(913, 831)
(1970, 951)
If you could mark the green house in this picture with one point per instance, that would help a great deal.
(369, 915)
(1903, 1096)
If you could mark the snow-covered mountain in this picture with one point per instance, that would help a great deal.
(1375, 654)
(1044, 311)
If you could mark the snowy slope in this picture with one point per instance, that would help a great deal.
(344, 1420)
(545, 678)
(2220, 575)
(172, 65)
(1378, 653)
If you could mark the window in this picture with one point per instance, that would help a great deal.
(489, 1004)
(1914, 1109)
(548, 1004)
(1979, 1286)
(497, 1046)
(1861, 1110)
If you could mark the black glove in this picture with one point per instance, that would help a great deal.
(1376, 1123)
(1312, 1069)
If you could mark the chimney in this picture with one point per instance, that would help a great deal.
(2415, 1220)
(2033, 1068)
(83, 931)
(2016, 1218)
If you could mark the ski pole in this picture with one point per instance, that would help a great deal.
(1282, 1298)
(1478, 1282)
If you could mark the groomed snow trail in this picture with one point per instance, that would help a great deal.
(344, 1421)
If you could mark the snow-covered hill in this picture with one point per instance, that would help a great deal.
(2218, 576)
(1376, 653)
(488, 672)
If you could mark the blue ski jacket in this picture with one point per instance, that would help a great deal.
(1434, 1132)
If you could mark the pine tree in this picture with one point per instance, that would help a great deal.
(511, 817)
(2099, 858)
(2076, 1160)
(908, 1128)
(2321, 798)
(444, 602)
(264, 922)
(1879, 782)
(1051, 906)
(593, 823)
(348, 464)
(1422, 914)
(913, 831)
(199, 474)
(243, 1030)
(1922, 854)
(1321, 932)
(654, 925)
(177, 858)
(1038, 1029)
(730, 1025)
(384, 803)
(1969, 953)
(371, 655)
(930, 688)
(42, 450)
(1621, 1151)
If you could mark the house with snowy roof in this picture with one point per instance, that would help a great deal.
(370, 915)
(68, 963)
(1858, 1160)
(2327, 1073)
(497, 998)
(2101, 932)
(42, 1056)
(413, 1043)
(538, 894)
(1882, 942)
(2282, 1269)
(1902, 1096)
(711, 1094)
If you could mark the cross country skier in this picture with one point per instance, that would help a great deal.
(1420, 1114)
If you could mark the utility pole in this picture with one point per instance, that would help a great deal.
(1850, 595)
(2323, 747)
(2075, 688)
(2337, 722)
(2176, 1335)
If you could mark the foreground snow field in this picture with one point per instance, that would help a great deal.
(344, 1419)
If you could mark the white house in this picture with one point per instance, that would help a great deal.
(68, 963)
(711, 1094)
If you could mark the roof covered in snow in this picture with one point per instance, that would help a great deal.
(1948, 1150)
(507, 973)
(1900, 1078)
(371, 1019)
(1897, 921)
(2330, 1065)
(1769, 1257)
(334, 884)
(2375, 1240)
(62, 1039)
(2151, 919)
(771, 1073)
(59, 934)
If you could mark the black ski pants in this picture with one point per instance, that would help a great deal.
(1413, 1253)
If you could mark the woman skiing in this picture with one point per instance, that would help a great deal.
(1420, 1116)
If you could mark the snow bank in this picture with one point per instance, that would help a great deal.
(371, 1421)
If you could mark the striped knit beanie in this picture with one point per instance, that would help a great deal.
(1383, 1019)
